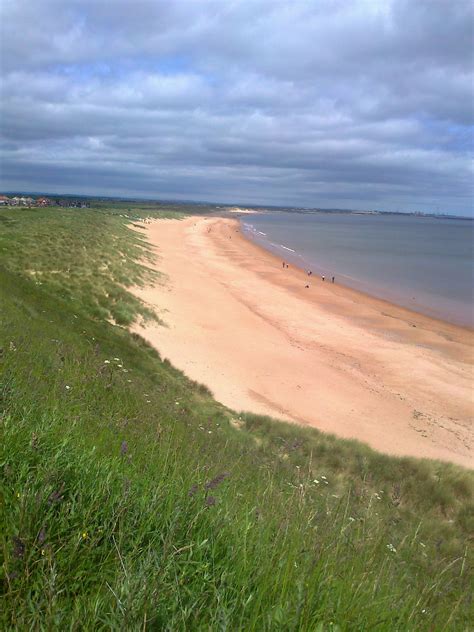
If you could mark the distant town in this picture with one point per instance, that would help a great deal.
(41, 202)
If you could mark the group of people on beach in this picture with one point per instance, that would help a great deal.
(309, 273)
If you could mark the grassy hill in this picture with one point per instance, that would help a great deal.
(132, 500)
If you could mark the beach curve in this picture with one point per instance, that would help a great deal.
(324, 356)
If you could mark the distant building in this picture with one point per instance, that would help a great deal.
(42, 201)
(4, 200)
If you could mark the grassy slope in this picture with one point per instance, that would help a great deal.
(132, 500)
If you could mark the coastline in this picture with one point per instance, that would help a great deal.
(443, 311)
(327, 356)
(397, 310)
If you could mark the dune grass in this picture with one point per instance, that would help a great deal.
(132, 500)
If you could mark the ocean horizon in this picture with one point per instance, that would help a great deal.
(423, 263)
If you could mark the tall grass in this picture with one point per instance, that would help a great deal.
(132, 500)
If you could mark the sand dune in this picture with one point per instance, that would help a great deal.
(324, 356)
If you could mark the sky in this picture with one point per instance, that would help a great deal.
(364, 104)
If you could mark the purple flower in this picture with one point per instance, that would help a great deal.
(124, 448)
(55, 497)
(193, 490)
(41, 536)
(217, 480)
(210, 501)
(18, 547)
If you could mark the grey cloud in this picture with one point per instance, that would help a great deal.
(302, 102)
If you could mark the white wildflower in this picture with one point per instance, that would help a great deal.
(106, 361)
(391, 548)
(316, 481)
(68, 388)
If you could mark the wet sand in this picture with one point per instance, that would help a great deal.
(325, 356)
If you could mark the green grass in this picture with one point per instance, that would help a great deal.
(132, 500)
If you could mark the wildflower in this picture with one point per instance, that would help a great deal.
(210, 501)
(391, 548)
(120, 366)
(106, 361)
(212, 484)
(129, 381)
(124, 448)
(351, 519)
(68, 388)
(323, 477)
(85, 535)
(56, 496)
(193, 490)
(41, 536)
(117, 359)
(316, 481)
(18, 547)
(209, 432)
(18, 495)
(148, 401)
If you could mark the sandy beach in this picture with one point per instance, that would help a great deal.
(324, 356)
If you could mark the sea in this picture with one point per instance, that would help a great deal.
(423, 263)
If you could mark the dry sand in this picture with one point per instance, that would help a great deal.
(324, 356)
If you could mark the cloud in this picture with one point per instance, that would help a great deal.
(326, 104)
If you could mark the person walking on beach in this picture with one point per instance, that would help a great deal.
(283, 264)
(323, 278)
(332, 280)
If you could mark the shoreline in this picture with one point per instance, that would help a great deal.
(327, 356)
(358, 294)
(343, 280)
